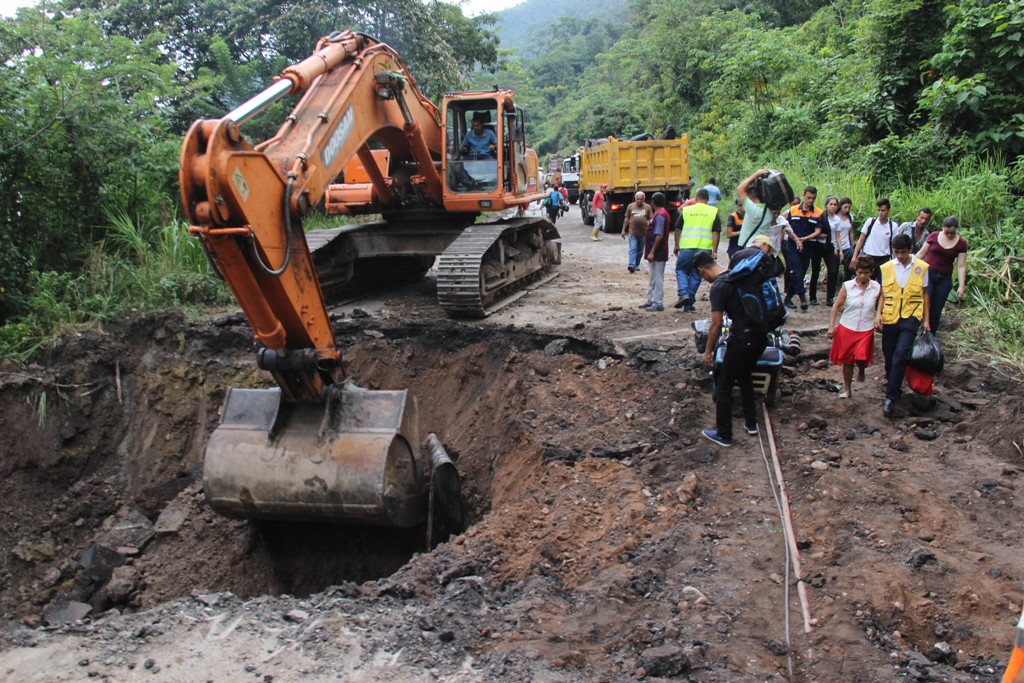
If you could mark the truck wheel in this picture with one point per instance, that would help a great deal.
(613, 222)
(588, 218)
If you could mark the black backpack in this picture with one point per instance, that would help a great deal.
(753, 276)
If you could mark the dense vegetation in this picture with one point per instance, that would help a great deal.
(912, 99)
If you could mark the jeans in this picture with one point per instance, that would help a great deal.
(552, 213)
(897, 340)
(940, 286)
(822, 251)
(687, 277)
(796, 268)
(598, 220)
(656, 285)
(636, 250)
(742, 351)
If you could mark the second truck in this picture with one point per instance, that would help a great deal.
(628, 167)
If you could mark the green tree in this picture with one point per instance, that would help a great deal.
(978, 76)
(83, 132)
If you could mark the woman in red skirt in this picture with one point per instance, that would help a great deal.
(853, 339)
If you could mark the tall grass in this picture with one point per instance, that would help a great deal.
(135, 268)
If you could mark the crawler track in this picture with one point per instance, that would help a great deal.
(488, 265)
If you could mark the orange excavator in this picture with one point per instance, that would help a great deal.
(362, 139)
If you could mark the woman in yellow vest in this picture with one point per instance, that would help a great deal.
(905, 307)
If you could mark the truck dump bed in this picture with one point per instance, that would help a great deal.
(630, 166)
(648, 165)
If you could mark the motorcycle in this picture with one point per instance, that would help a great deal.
(766, 374)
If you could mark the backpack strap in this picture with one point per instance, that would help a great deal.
(754, 231)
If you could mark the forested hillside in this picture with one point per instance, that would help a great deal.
(532, 28)
(916, 99)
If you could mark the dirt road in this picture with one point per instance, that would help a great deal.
(608, 541)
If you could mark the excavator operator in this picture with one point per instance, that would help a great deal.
(478, 168)
(480, 142)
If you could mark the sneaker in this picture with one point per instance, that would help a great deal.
(789, 304)
(682, 301)
(830, 302)
(814, 302)
(631, 269)
(803, 302)
(751, 429)
(655, 308)
(689, 309)
(646, 305)
(712, 435)
(887, 408)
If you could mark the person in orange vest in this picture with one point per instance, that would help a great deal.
(905, 308)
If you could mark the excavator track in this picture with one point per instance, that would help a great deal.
(488, 264)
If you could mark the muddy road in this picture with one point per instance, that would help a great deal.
(607, 540)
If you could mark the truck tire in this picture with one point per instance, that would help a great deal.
(613, 222)
(585, 199)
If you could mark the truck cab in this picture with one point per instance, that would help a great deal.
(571, 176)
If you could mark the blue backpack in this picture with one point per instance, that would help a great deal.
(753, 277)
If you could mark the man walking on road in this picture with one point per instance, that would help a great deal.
(638, 217)
(659, 232)
(714, 194)
(699, 232)
(597, 209)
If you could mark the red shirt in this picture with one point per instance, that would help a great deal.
(941, 260)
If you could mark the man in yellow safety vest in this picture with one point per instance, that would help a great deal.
(903, 308)
(699, 229)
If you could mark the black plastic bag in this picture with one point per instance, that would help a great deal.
(926, 354)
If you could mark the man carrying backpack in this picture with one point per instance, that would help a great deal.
(748, 331)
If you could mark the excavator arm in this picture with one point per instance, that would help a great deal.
(246, 203)
(317, 448)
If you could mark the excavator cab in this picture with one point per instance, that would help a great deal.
(473, 147)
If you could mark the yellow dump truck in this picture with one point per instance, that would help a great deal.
(628, 166)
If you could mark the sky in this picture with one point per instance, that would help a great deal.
(470, 7)
(8, 7)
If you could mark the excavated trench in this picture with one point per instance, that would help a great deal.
(105, 478)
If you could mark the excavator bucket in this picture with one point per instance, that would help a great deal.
(354, 459)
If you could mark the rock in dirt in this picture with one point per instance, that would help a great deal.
(131, 531)
(123, 581)
(556, 347)
(67, 612)
(926, 434)
(920, 557)
(689, 489)
(666, 660)
(99, 561)
(172, 517)
(777, 648)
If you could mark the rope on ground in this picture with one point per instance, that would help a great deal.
(787, 518)
(785, 546)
